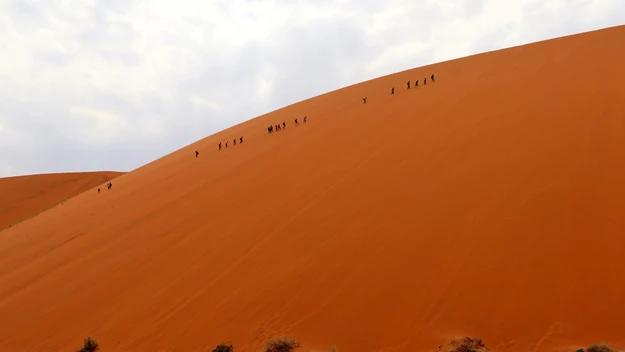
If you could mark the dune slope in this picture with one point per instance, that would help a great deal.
(487, 203)
(24, 196)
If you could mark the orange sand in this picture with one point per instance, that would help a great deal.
(489, 203)
(25, 196)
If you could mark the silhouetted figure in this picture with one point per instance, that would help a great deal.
(109, 185)
(304, 119)
(240, 139)
(425, 81)
(364, 100)
(234, 141)
(283, 124)
(416, 83)
(219, 145)
(408, 84)
(196, 153)
(98, 190)
(226, 144)
(296, 122)
(393, 90)
(432, 78)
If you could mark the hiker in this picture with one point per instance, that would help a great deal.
(393, 90)
(98, 190)
(364, 100)
(296, 122)
(304, 119)
(219, 145)
(196, 153)
(416, 83)
(432, 77)
(425, 81)
(283, 124)
(408, 83)
(234, 141)
(240, 139)
(226, 144)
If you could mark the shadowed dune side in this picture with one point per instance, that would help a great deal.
(489, 203)
(24, 196)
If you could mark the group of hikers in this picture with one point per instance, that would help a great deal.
(108, 185)
(416, 84)
(234, 142)
(281, 126)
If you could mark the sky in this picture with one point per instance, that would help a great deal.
(90, 85)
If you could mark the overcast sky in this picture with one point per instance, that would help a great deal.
(113, 84)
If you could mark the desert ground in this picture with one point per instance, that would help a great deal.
(24, 196)
(489, 203)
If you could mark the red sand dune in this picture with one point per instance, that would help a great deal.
(24, 196)
(489, 203)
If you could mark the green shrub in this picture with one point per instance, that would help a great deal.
(89, 345)
(222, 347)
(281, 345)
(599, 348)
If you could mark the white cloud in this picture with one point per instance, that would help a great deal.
(104, 76)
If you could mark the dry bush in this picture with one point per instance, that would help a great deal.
(222, 347)
(599, 348)
(89, 345)
(468, 344)
(283, 344)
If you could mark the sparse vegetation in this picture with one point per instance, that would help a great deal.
(333, 349)
(599, 348)
(222, 347)
(90, 345)
(468, 344)
(283, 344)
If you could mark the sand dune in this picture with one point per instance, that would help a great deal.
(24, 196)
(489, 203)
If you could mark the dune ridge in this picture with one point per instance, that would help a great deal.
(489, 203)
(24, 196)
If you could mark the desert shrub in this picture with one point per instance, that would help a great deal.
(281, 345)
(222, 347)
(333, 349)
(89, 345)
(468, 344)
(599, 348)
(580, 350)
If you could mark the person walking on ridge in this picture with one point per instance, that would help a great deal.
(393, 90)
(408, 84)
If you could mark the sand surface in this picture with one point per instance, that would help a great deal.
(489, 203)
(24, 196)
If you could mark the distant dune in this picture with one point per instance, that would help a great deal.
(489, 203)
(24, 196)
